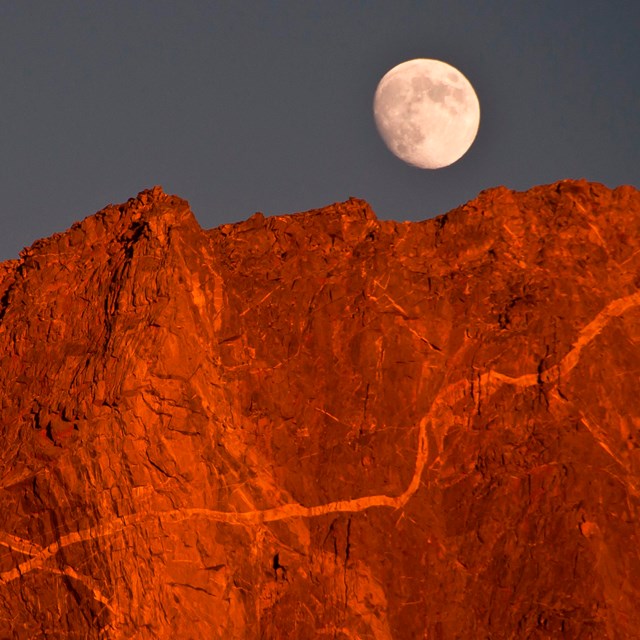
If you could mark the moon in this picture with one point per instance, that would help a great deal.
(427, 113)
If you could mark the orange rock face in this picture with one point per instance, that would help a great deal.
(325, 425)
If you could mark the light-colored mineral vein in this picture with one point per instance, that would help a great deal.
(294, 509)
(257, 516)
(491, 380)
(26, 547)
(588, 333)
(89, 583)
(585, 336)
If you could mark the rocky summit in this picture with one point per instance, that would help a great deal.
(325, 425)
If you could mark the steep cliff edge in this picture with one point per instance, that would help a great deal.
(325, 425)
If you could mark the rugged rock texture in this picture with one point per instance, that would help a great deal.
(325, 425)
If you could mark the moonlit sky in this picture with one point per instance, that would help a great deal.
(242, 107)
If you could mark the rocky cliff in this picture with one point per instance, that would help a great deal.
(325, 425)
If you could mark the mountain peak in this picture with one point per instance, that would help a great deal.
(325, 423)
(150, 215)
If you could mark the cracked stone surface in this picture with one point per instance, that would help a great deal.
(324, 425)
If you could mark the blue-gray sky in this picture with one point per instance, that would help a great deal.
(266, 106)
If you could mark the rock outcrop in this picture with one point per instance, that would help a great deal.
(325, 425)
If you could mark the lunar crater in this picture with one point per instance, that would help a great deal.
(427, 113)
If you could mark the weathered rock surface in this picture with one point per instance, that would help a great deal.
(325, 425)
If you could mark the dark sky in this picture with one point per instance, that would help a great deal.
(266, 106)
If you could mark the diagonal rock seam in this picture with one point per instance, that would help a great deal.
(39, 555)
